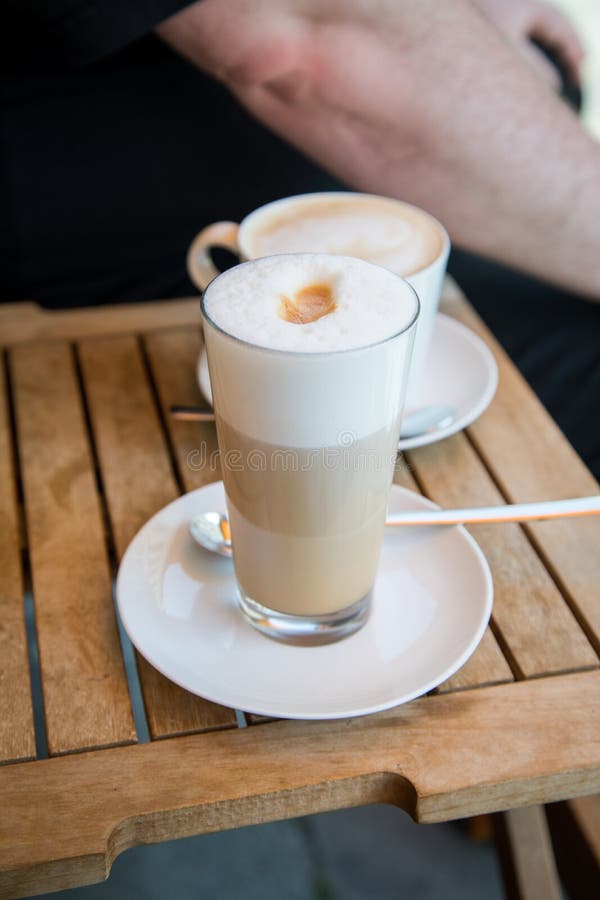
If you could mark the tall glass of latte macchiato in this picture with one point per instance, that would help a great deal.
(308, 357)
(401, 237)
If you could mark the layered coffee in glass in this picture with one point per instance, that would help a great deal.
(308, 357)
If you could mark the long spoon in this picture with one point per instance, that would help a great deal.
(211, 529)
(421, 421)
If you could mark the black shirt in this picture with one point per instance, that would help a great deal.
(115, 152)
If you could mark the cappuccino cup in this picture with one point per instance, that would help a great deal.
(308, 357)
(403, 238)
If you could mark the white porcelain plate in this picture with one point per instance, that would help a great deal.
(431, 604)
(459, 371)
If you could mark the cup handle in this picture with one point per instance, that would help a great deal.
(200, 266)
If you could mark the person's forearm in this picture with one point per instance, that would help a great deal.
(426, 102)
(496, 156)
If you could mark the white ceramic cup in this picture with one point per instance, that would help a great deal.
(426, 280)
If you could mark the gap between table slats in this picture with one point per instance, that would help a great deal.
(194, 446)
(530, 459)
(17, 738)
(138, 480)
(86, 700)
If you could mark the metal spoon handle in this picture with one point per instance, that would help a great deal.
(418, 422)
(517, 512)
(192, 414)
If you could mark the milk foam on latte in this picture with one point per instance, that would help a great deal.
(310, 391)
(392, 234)
(360, 307)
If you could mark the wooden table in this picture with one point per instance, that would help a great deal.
(88, 453)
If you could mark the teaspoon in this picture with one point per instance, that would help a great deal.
(211, 529)
(421, 421)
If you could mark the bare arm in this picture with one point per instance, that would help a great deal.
(419, 100)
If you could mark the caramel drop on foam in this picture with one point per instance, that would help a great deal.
(308, 304)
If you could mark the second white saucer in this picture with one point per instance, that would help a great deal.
(459, 371)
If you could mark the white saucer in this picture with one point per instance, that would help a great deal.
(431, 604)
(459, 371)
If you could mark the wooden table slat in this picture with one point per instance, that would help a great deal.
(538, 629)
(17, 737)
(85, 691)
(138, 481)
(531, 460)
(29, 322)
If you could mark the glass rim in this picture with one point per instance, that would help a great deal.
(307, 353)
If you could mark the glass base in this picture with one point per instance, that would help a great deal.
(305, 631)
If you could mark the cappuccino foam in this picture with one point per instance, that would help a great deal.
(392, 234)
(365, 303)
(309, 395)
